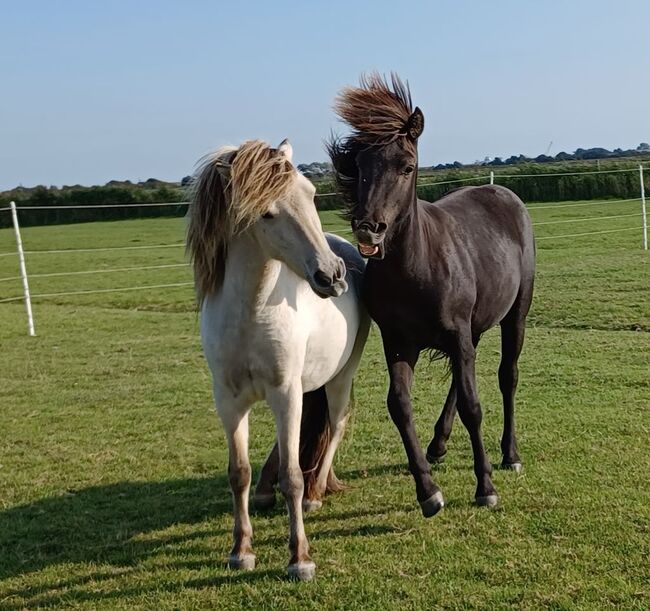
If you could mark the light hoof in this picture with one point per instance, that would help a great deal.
(311, 505)
(490, 500)
(432, 505)
(436, 460)
(514, 466)
(264, 502)
(243, 562)
(302, 571)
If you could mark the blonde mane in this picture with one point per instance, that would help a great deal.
(378, 113)
(232, 188)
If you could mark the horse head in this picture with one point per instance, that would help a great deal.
(376, 166)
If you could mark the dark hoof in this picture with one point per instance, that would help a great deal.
(432, 505)
(490, 500)
(513, 466)
(436, 460)
(302, 571)
(243, 562)
(264, 502)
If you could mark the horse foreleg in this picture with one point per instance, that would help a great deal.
(401, 363)
(287, 408)
(239, 473)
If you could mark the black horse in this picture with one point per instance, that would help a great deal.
(438, 276)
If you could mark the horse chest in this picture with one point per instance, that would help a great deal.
(408, 309)
(245, 358)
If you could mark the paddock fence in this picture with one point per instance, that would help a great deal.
(589, 218)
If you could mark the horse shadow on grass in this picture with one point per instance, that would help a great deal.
(101, 523)
(109, 525)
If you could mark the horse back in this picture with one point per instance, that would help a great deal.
(490, 233)
(470, 255)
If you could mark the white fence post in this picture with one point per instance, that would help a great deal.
(643, 212)
(491, 177)
(23, 270)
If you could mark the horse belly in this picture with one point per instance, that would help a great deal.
(496, 294)
(333, 330)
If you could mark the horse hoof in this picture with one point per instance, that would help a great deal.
(432, 505)
(513, 466)
(264, 502)
(490, 500)
(436, 460)
(302, 571)
(311, 505)
(243, 562)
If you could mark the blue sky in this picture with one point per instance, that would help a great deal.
(130, 90)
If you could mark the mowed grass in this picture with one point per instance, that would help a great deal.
(113, 487)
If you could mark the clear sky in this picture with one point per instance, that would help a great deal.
(92, 91)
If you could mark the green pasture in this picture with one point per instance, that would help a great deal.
(113, 487)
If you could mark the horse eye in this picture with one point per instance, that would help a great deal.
(267, 215)
(408, 170)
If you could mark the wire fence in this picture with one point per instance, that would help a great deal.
(572, 208)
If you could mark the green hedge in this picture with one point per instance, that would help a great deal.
(539, 188)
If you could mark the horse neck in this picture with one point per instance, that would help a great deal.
(250, 274)
(409, 236)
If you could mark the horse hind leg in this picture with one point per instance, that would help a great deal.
(442, 430)
(339, 396)
(264, 497)
(239, 474)
(469, 409)
(438, 446)
(314, 441)
(314, 437)
(512, 340)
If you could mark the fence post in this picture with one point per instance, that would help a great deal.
(643, 211)
(23, 270)
(491, 177)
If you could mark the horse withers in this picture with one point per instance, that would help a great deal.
(281, 321)
(438, 276)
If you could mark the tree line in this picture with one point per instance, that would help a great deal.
(582, 184)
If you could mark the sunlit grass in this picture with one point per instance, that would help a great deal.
(113, 488)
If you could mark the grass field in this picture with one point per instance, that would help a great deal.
(113, 488)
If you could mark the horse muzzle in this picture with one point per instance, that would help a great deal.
(330, 284)
(370, 238)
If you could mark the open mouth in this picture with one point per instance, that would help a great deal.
(368, 250)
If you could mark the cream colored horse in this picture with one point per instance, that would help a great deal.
(279, 317)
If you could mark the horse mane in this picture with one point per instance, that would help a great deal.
(343, 153)
(232, 188)
(378, 112)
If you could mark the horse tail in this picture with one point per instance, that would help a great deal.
(315, 436)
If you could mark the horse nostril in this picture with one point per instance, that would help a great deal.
(369, 226)
(340, 270)
(322, 279)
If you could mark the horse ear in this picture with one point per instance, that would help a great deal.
(224, 170)
(415, 124)
(224, 165)
(285, 148)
